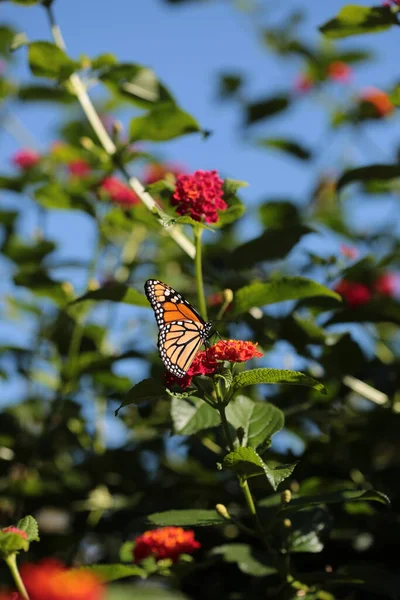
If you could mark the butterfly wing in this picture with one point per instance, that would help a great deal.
(181, 329)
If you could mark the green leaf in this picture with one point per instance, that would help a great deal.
(235, 210)
(147, 389)
(6, 38)
(149, 591)
(45, 93)
(255, 376)
(8, 218)
(26, 2)
(114, 572)
(278, 290)
(231, 186)
(115, 292)
(20, 252)
(246, 461)
(369, 173)
(354, 20)
(382, 310)
(279, 214)
(164, 122)
(190, 415)
(41, 284)
(265, 108)
(273, 244)
(136, 83)
(48, 60)
(55, 196)
(394, 95)
(308, 529)
(249, 560)
(258, 420)
(229, 85)
(30, 526)
(287, 146)
(340, 496)
(186, 220)
(186, 518)
(126, 551)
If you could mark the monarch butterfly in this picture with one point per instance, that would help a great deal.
(181, 329)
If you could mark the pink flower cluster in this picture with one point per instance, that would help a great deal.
(199, 196)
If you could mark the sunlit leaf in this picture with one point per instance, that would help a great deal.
(48, 60)
(190, 415)
(185, 518)
(114, 572)
(164, 122)
(279, 290)
(354, 19)
(258, 420)
(274, 376)
(290, 147)
(246, 461)
(147, 389)
(30, 526)
(249, 560)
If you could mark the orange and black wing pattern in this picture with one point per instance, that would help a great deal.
(182, 331)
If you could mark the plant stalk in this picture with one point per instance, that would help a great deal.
(199, 274)
(105, 140)
(11, 561)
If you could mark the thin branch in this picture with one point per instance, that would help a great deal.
(80, 91)
(365, 390)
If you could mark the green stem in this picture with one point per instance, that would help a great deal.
(107, 143)
(199, 274)
(11, 561)
(225, 426)
(99, 445)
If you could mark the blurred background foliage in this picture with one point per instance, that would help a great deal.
(91, 478)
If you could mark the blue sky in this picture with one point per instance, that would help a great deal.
(187, 46)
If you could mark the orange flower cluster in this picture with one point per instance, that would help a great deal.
(206, 361)
(166, 542)
(379, 100)
(51, 580)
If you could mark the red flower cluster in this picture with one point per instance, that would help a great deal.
(9, 595)
(166, 542)
(26, 158)
(357, 294)
(339, 71)
(206, 361)
(118, 192)
(391, 2)
(79, 168)
(199, 196)
(379, 100)
(51, 580)
(155, 172)
(12, 529)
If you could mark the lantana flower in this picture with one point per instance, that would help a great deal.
(118, 192)
(79, 168)
(339, 71)
(206, 361)
(386, 284)
(51, 580)
(379, 100)
(165, 542)
(355, 294)
(199, 196)
(26, 158)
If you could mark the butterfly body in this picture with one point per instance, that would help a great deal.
(182, 331)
